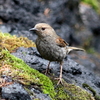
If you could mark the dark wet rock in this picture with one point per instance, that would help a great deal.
(6, 78)
(5, 28)
(14, 92)
(22, 15)
(91, 62)
(39, 95)
(17, 13)
(84, 59)
(96, 43)
(24, 34)
(89, 16)
(72, 71)
(83, 35)
(96, 61)
(92, 20)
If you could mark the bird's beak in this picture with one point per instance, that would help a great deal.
(33, 29)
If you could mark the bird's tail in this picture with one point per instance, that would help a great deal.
(69, 49)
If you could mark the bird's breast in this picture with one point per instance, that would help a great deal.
(50, 51)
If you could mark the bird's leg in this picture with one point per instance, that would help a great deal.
(60, 77)
(47, 69)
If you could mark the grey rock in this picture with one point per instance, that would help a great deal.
(39, 95)
(5, 28)
(91, 20)
(89, 16)
(14, 92)
(72, 71)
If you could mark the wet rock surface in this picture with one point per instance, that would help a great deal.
(39, 95)
(14, 92)
(89, 61)
(92, 21)
(72, 72)
(22, 15)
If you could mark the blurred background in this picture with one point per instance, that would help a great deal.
(76, 21)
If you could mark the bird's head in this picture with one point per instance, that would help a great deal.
(43, 30)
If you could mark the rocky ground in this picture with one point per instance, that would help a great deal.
(72, 72)
(75, 22)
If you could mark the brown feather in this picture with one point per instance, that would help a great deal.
(60, 42)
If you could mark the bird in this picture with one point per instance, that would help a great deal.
(51, 46)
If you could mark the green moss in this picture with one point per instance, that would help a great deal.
(12, 42)
(71, 92)
(89, 88)
(36, 99)
(97, 97)
(93, 3)
(91, 50)
(87, 46)
(22, 73)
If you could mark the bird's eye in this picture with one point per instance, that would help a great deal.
(43, 28)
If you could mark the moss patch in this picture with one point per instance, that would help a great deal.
(21, 72)
(71, 92)
(12, 42)
(92, 3)
(87, 46)
(97, 97)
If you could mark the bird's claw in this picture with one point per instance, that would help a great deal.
(47, 71)
(60, 80)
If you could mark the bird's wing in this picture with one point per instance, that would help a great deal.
(60, 42)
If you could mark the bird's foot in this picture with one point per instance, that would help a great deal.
(59, 80)
(47, 71)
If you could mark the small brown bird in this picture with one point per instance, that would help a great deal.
(51, 46)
